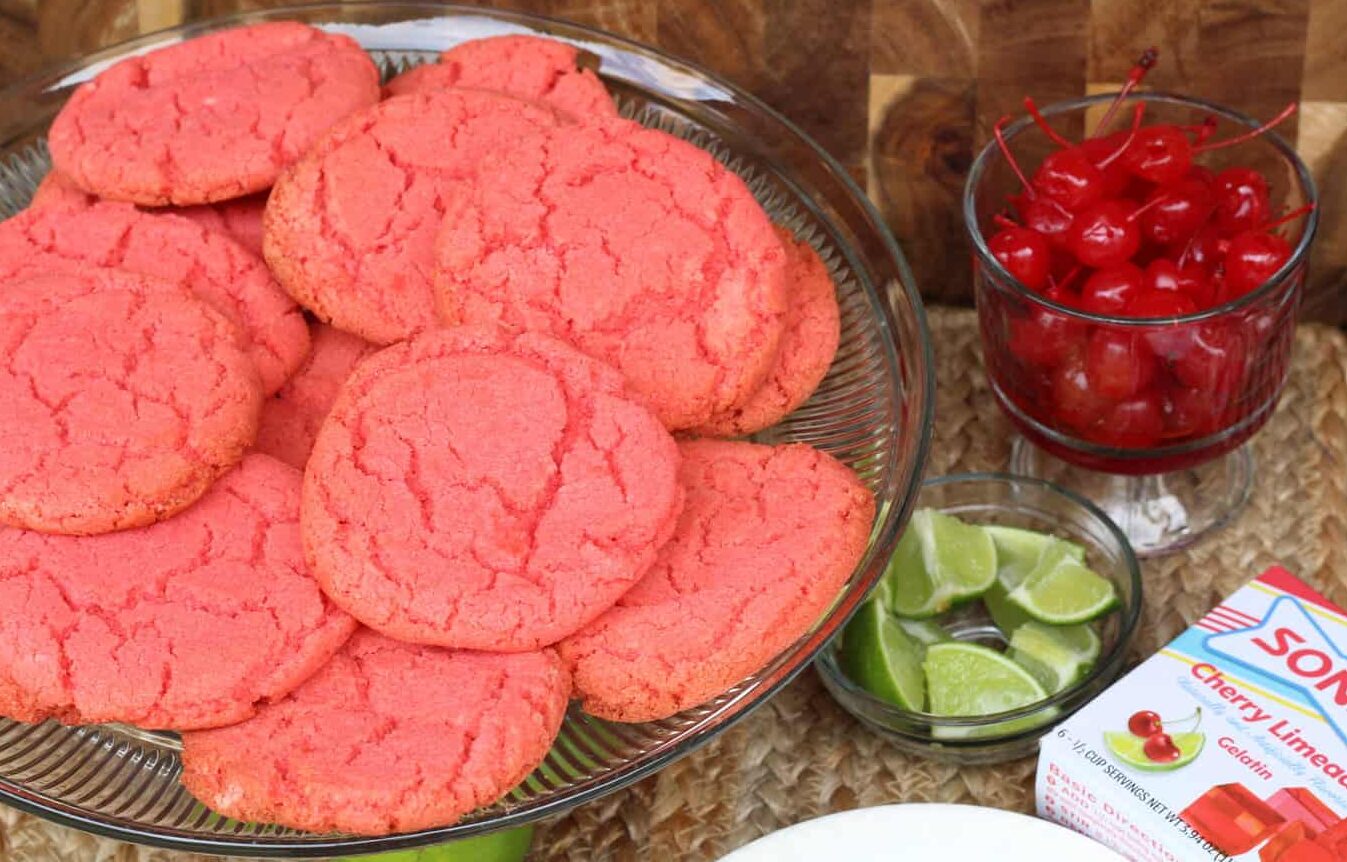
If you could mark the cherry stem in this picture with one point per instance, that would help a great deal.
(1010, 158)
(1070, 277)
(1131, 136)
(1042, 123)
(1188, 247)
(1201, 131)
(1291, 216)
(1138, 71)
(1136, 213)
(1250, 134)
(1003, 220)
(1195, 716)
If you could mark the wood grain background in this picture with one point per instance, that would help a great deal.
(901, 91)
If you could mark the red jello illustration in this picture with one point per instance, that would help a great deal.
(1335, 839)
(1307, 851)
(1299, 804)
(1292, 843)
(1288, 835)
(1232, 818)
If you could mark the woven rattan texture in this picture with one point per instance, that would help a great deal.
(801, 756)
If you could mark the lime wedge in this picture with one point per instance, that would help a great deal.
(1061, 591)
(965, 680)
(908, 585)
(1056, 656)
(1006, 616)
(1130, 749)
(1018, 552)
(879, 657)
(924, 632)
(963, 554)
(939, 561)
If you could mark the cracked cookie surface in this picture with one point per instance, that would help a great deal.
(808, 345)
(240, 219)
(638, 248)
(291, 418)
(388, 737)
(215, 268)
(125, 398)
(188, 623)
(350, 230)
(526, 67)
(485, 491)
(211, 118)
(766, 540)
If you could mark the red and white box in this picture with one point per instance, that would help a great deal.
(1248, 758)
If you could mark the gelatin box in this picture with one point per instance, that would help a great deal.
(1230, 743)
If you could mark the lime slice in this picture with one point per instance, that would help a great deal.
(965, 680)
(908, 586)
(512, 845)
(879, 657)
(1056, 656)
(1063, 592)
(1083, 640)
(963, 555)
(1007, 617)
(939, 561)
(924, 632)
(1018, 552)
(1130, 749)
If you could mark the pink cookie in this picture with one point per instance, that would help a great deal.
(484, 491)
(188, 623)
(808, 346)
(212, 118)
(526, 67)
(59, 237)
(638, 248)
(125, 397)
(767, 539)
(240, 219)
(388, 737)
(291, 418)
(350, 231)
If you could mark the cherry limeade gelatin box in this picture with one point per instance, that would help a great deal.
(1230, 743)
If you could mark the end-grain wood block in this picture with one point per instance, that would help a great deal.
(921, 147)
(1036, 49)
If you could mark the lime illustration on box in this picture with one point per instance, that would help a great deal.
(1229, 743)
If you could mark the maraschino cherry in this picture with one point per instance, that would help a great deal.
(1024, 253)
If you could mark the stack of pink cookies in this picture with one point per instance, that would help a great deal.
(340, 423)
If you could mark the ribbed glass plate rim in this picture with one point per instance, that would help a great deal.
(693, 728)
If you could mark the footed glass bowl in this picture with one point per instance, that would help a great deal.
(873, 411)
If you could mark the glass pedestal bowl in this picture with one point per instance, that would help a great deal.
(1160, 444)
(873, 411)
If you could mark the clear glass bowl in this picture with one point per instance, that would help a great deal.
(1189, 390)
(873, 411)
(1015, 501)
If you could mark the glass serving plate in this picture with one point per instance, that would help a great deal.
(874, 411)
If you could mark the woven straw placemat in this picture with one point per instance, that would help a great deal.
(800, 755)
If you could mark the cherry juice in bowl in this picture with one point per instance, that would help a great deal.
(1137, 311)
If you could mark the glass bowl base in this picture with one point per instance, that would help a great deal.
(1159, 513)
